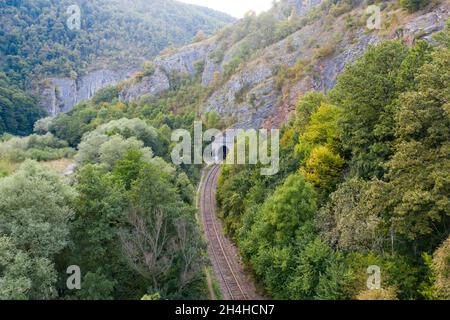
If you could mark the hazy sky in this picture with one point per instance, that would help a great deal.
(236, 8)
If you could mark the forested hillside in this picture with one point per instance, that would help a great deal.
(19, 110)
(36, 42)
(126, 219)
(364, 156)
(365, 181)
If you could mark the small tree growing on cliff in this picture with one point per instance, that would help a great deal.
(414, 5)
(200, 36)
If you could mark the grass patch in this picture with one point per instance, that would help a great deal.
(59, 165)
(213, 285)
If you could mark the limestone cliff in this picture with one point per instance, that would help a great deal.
(265, 105)
(313, 56)
(61, 94)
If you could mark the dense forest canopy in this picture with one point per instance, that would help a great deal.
(365, 181)
(19, 110)
(36, 42)
(125, 193)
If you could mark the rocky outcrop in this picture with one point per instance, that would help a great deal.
(156, 83)
(286, 8)
(187, 59)
(323, 78)
(241, 98)
(328, 69)
(61, 94)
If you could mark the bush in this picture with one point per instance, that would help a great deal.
(6, 168)
(441, 269)
(110, 142)
(414, 5)
(35, 209)
(37, 147)
(107, 94)
(42, 126)
(380, 294)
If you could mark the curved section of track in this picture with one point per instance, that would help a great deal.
(225, 260)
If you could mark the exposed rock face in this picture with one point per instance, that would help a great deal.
(424, 25)
(154, 84)
(302, 6)
(323, 78)
(286, 8)
(330, 68)
(273, 108)
(184, 60)
(211, 68)
(326, 71)
(189, 60)
(61, 94)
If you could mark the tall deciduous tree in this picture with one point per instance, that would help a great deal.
(35, 208)
(419, 169)
(366, 92)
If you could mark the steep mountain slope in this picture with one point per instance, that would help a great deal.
(18, 110)
(114, 38)
(257, 68)
(364, 170)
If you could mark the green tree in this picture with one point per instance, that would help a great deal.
(101, 207)
(419, 169)
(321, 129)
(414, 5)
(417, 56)
(96, 286)
(291, 205)
(366, 92)
(441, 270)
(320, 274)
(277, 227)
(127, 169)
(351, 220)
(162, 242)
(306, 107)
(22, 276)
(18, 109)
(323, 169)
(35, 208)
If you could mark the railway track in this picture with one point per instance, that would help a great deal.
(229, 272)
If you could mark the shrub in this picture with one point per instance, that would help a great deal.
(441, 268)
(148, 68)
(199, 66)
(107, 94)
(414, 5)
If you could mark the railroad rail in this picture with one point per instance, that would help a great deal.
(227, 268)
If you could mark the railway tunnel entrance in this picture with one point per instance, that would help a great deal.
(222, 153)
(223, 146)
